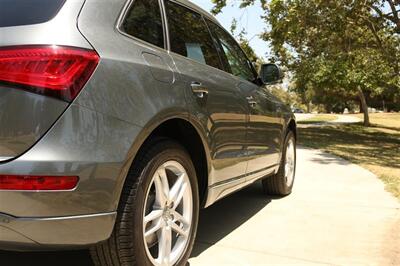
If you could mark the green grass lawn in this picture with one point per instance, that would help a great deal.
(388, 120)
(319, 118)
(375, 148)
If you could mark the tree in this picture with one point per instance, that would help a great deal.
(245, 43)
(347, 48)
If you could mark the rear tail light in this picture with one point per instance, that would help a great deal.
(37, 183)
(56, 71)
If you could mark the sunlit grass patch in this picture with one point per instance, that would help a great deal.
(387, 120)
(319, 118)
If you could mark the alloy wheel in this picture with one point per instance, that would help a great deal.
(167, 214)
(290, 162)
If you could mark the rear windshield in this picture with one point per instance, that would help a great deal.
(25, 12)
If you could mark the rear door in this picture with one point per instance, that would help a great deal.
(264, 123)
(215, 102)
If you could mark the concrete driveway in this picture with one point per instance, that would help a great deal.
(338, 214)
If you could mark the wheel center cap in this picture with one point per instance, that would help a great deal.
(167, 214)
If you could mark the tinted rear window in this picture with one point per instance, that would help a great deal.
(144, 21)
(25, 12)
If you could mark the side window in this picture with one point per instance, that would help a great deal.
(189, 35)
(234, 59)
(143, 21)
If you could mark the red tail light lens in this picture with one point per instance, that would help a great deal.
(37, 183)
(56, 71)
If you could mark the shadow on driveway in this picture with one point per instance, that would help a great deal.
(226, 215)
(70, 258)
(215, 223)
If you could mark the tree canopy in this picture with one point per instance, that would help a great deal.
(336, 50)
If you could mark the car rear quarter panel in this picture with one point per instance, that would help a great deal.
(97, 136)
(131, 83)
(93, 136)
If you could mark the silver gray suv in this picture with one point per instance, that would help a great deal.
(120, 119)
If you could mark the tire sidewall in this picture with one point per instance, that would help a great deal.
(289, 136)
(174, 152)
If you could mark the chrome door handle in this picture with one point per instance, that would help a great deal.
(198, 89)
(251, 101)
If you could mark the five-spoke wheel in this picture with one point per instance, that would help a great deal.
(281, 183)
(158, 213)
(168, 214)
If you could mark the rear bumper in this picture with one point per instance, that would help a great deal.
(27, 234)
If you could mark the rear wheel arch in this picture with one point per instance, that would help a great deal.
(185, 133)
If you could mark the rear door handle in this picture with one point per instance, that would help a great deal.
(198, 89)
(251, 101)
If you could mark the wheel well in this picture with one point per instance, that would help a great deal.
(185, 133)
(292, 127)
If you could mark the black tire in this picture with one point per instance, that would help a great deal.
(126, 246)
(276, 185)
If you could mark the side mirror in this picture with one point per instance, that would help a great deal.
(271, 74)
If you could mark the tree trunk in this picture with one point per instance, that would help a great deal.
(364, 107)
(309, 108)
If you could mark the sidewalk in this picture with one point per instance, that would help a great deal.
(338, 214)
